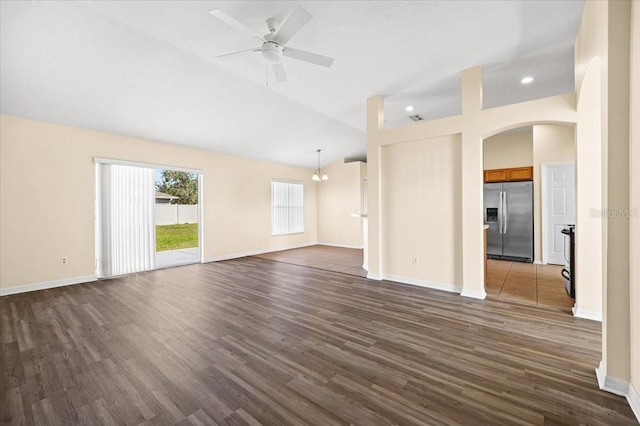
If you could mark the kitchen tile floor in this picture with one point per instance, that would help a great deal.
(527, 283)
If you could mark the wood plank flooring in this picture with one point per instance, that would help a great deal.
(336, 259)
(252, 341)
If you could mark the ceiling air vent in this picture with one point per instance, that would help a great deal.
(416, 117)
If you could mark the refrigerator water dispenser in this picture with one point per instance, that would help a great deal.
(492, 214)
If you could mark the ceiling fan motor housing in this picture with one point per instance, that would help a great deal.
(271, 52)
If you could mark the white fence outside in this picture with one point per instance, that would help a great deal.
(171, 214)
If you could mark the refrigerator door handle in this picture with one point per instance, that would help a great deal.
(500, 215)
(504, 213)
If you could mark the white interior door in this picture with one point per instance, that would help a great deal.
(558, 208)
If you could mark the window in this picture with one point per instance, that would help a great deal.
(287, 207)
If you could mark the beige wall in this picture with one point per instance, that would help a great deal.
(422, 211)
(590, 244)
(47, 186)
(388, 250)
(617, 283)
(552, 143)
(603, 49)
(338, 198)
(505, 150)
(634, 191)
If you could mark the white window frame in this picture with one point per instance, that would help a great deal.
(289, 226)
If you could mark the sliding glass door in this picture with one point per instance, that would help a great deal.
(147, 217)
(177, 218)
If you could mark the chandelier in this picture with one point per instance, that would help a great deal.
(318, 176)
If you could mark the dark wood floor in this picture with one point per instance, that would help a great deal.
(252, 341)
(329, 258)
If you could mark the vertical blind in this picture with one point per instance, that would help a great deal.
(287, 212)
(127, 216)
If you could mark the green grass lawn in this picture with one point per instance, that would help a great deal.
(175, 237)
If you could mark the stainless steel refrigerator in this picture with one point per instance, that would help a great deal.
(508, 210)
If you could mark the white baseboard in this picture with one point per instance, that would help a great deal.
(373, 276)
(611, 384)
(634, 400)
(586, 314)
(539, 262)
(255, 252)
(46, 285)
(423, 283)
(341, 245)
(474, 294)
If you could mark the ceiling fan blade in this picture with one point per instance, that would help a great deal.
(233, 22)
(303, 55)
(292, 25)
(253, 49)
(278, 72)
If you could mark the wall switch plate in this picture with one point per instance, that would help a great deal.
(414, 260)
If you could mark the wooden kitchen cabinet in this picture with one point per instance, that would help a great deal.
(515, 174)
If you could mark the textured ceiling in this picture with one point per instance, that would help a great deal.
(148, 69)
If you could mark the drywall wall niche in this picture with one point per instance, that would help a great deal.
(508, 149)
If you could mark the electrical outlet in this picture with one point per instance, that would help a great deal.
(414, 260)
(64, 260)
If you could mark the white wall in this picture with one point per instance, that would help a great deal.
(60, 182)
(338, 198)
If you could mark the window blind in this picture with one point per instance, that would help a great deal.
(287, 207)
(127, 219)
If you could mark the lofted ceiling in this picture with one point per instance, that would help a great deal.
(149, 68)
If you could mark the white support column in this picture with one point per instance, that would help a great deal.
(472, 187)
(375, 122)
(589, 196)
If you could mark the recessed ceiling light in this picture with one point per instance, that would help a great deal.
(409, 108)
(527, 80)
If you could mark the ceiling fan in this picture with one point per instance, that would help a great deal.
(273, 44)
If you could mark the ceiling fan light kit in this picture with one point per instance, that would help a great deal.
(273, 44)
(271, 52)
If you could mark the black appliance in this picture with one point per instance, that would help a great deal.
(569, 270)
